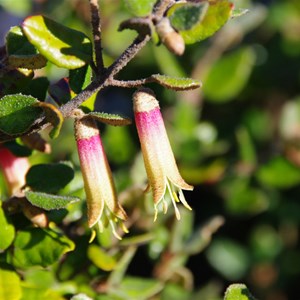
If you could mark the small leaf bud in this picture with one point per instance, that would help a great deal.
(169, 37)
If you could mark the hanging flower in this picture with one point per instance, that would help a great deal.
(102, 204)
(160, 164)
(14, 169)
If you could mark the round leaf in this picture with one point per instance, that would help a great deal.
(238, 291)
(7, 232)
(217, 14)
(230, 74)
(229, 258)
(10, 284)
(49, 178)
(17, 113)
(140, 7)
(100, 258)
(111, 119)
(175, 83)
(279, 173)
(188, 15)
(63, 46)
(22, 54)
(48, 201)
(39, 247)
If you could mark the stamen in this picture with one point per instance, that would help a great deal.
(182, 199)
(155, 213)
(100, 226)
(124, 228)
(177, 213)
(93, 235)
(112, 224)
(173, 197)
(165, 206)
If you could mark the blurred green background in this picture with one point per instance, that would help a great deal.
(237, 140)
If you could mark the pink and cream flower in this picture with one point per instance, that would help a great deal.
(160, 164)
(14, 169)
(102, 204)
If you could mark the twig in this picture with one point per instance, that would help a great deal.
(96, 27)
(92, 88)
(161, 7)
(128, 55)
(131, 83)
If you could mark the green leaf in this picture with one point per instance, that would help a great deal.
(217, 14)
(37, 88)
(228, 257)
(36, 293)
(238, 12)
(48, 201)
(49, 178)
(135, 288)
(230, 74)
(18, 149)
(7, 232)
(186, 16)
(111, 119)
(53, 116)
(17, 113)
(100, 258)
(81, 297)
(279, 173)
(22, 54)
(238, 291)
(39, 247)
(10, 283)
(175, 83)
(140, 8)
(60, 91)
(63, 46)
(80, 78)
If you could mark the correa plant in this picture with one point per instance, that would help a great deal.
(53, 245)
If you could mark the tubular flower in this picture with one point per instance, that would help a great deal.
(102, 204)
(160, 164)
(14, 170)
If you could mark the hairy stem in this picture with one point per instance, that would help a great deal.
(96, 27)
(131, 83)
(128, 55)
(161, 7)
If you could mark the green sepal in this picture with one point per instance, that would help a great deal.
(49, 201)
(63, 46)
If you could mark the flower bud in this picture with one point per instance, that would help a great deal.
(169, 37)
(163, 175)
(102, 203)
(14, 169)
